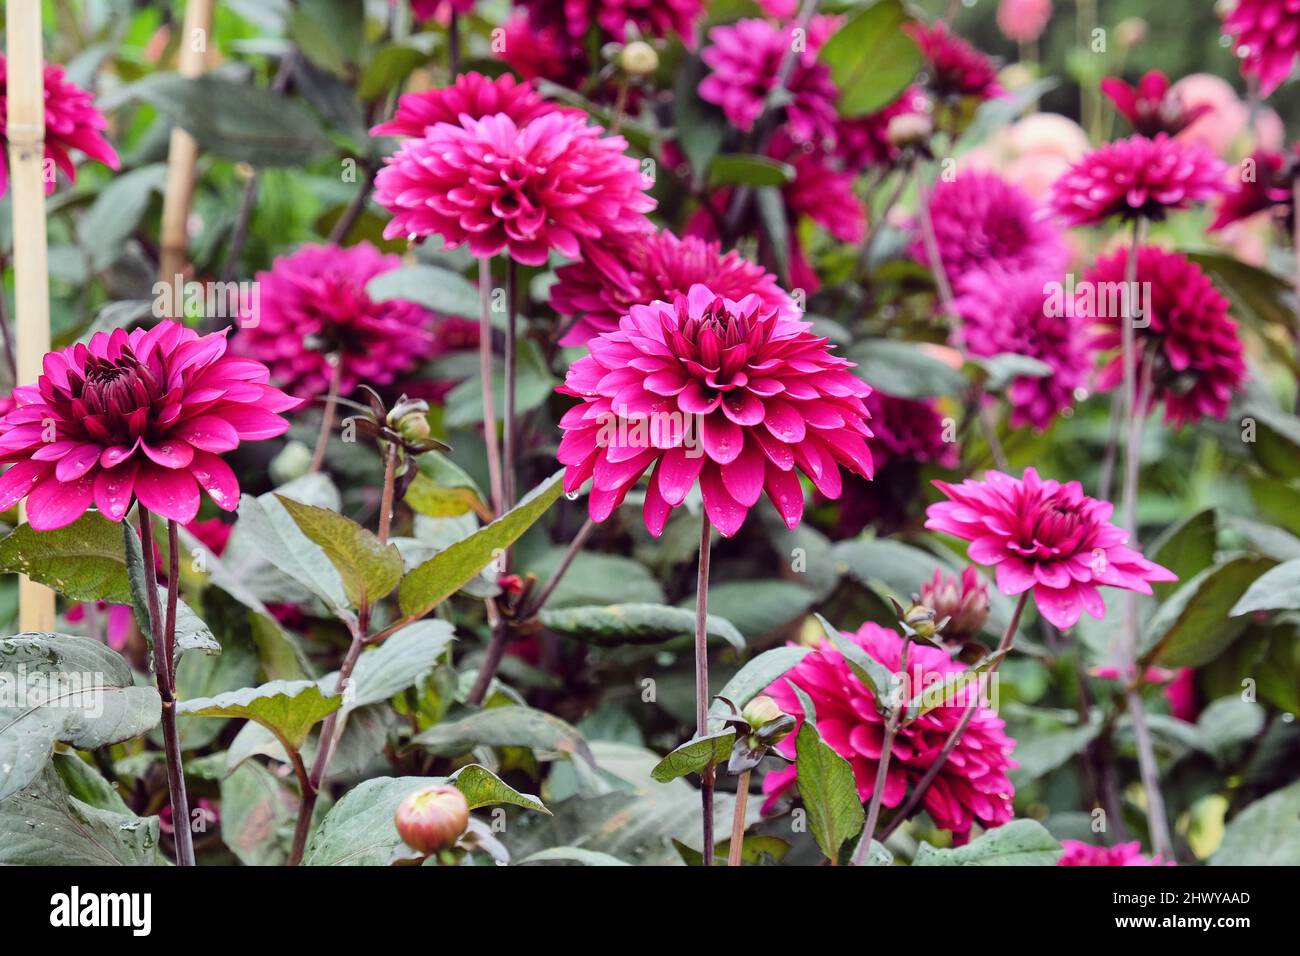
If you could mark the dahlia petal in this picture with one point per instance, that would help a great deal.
(722, 438)
(1060, 607)
(169, 492)
(55, 504)
(208, 433)
(786, 493)
(77, 462)
(170, 453)
(677, 473)
(726, 513)
(655, 510)
(114, 490)
(255, 424)
(19, 480)
(217, 479)
(744, 476)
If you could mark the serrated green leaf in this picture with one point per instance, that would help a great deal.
(505, 727)
(1018, 843)
(1193, 626)
(369, 568)
(828, 791)
(289, 709)
(83, 561)
(483, 788)
(614, 625)
(694, 755)
(1277, 589)
(398, 663)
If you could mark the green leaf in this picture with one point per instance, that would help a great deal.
(1018, 843)
(776, 228)
(740, 169)
(191, 633)
(615, 625)
(398, 663)
(1275, 590)
(505, 727)
(534, 384)
(434, 287)
(1226, 724)
(871, 60)
(700, 126)
(483, 788)
(116, 212)
(258, 814)
(757, 675)
(359, 829)
(233, 120)
(44, 826)
(289, 709)
(829, 792)
(905, 369)
(73, 689)
(878, 678)
(1185, 548)
(443, 501)
(1006, 367)
(83, 562)
(388, 68)
(444, 574)
(694, 755)
(87, 784)
(370, 569)
(329, 32)
(1276, 444)
(1266, 833)
(571, 854)
(757, 608)
(1264, 297)
(587, 580)
(1193, 627)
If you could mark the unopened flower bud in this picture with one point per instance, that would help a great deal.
(761, 710)
(964, 601)
(410, 418)
(292, 462)
(1130, 32)
(639, 58)
(432, 820)
(921, 619)
(909, 129)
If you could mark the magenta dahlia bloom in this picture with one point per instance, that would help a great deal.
(1267, 35)
(1150, 107)
(955, 68)
(1023, 20)
(313, 305)
(745, 58)
(971, 787)
(71, 122)
(727, 392)
(554, 183)
(140, 415)
(1137, 177)
(655, 18)
(1047, 536)
(1078, 853)
(473, 95)
(656, 266)
(1198, 363)
(1269, 188)
(1013, 313)
(984, 224)
(907, 430)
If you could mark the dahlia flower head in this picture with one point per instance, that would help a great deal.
(907, 430)
(1047, 537)
(133, 416)
(71, 122)
(1078, 853)
(1198, 360)
(984, 224)
(653, 18)
(721, 391)
(313, 309)
(1023, 21)
(972, 786)
(1268, 187)
(1006, 312)
(745, 58)
(1267, 39)
(552, 183)
(471, 94)
(1137, 177)
(657, 266)
(1152, 107)
(543, 52)
(955, 68)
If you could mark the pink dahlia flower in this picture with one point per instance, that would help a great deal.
(657, 266)
(473, 95)
(1014, 313)
(543, 52)
(745, 58)
(71, 122)
(907, 430)
(955, 67)
(655, 18)
(727, 392)
(1198, 363)
(554, 183)
(864, 142)
(1268, 187)
(963, 600)
(1023, 21)
(140, 415)
(1152, 107)
(984, 224)
(313, 305)
(971, 787)
(1137, 177)
(1267, 34)
(1078, 853)
(1047, 536)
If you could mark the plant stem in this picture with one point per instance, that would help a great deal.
(352, 212)
(508, 423)
(485, 373)
(708, 775)
(327, 417)
(306, 806)
(873, 230)
(931, 243)
(496, 650)
(453, 43)
(1157, 820)
(163, 656)
(886, 756)
(738, 821)
(954, 738)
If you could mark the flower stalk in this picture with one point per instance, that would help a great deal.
(709, 774)
(899, 707)
(737, 844)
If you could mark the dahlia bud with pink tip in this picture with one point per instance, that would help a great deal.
(963, 600)
(432, 820)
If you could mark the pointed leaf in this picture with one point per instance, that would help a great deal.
(369, 568)
(289, 709)
(638, 624)
(83, 562)
(694, 755)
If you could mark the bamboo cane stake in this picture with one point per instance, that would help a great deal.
(26, 134)
(183, 151)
